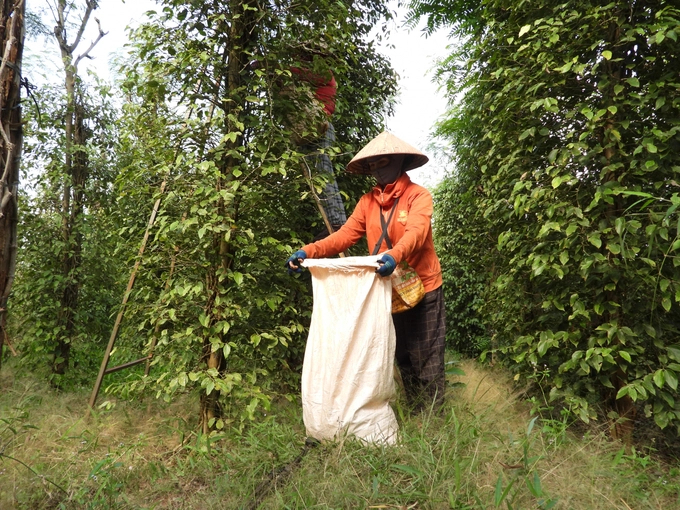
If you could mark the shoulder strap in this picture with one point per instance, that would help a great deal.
(385, 236)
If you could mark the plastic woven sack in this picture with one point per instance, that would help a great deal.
(407, 288)
(347, 375)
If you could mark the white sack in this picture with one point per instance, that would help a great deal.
(348, 374)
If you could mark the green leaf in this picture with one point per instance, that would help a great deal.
(633, 82)
(607, 55)
(524, 30)
(231, 136)
(661, 419)
(595, 240)
(565, 68)
(619, 225)
(659, 378)
(625, 356)
(673, 352)
(182, 379)
(204, 320)
(455, 371)
(666, 303)
(527, 132)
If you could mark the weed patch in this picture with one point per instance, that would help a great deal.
(486, 450)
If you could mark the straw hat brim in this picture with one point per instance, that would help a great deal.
(386, 144)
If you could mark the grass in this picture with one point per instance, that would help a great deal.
(485, 451)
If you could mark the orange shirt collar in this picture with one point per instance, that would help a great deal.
(387, 196)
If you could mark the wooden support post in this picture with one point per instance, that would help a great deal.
(127, 365)
(308, 177)
(119, 318)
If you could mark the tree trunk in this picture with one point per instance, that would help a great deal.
(241, 33)
(72, 212)
(12, 37)
(75, 177)
(621, 428)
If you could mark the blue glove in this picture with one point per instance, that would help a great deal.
(295, 259)
(387, 265)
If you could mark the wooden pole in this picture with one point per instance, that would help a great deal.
(319, 205)
(131, 282)
(119, 318)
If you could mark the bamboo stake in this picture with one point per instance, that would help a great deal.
(131, 282)
(319, 205)
(119, 318)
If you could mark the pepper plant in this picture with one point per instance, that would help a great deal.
(214, 303)
(567, 129)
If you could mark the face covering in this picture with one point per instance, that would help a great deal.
(386, 175)
(389, 173)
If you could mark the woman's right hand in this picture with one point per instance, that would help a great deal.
(293, 262)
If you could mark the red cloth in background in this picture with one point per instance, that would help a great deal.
(324, 88)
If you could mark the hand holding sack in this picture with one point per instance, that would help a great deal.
(293, 262)
(347, 373)
(387, 265)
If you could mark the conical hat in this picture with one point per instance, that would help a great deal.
(386, 144)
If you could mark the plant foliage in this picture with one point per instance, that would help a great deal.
(568, 130)
(210, 83)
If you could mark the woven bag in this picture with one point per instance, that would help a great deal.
(407, 287)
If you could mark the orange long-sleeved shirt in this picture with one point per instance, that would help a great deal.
(410, 229)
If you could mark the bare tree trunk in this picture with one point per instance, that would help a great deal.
(12, 37)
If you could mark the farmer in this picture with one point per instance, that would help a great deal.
(420, 330)
(314, 132)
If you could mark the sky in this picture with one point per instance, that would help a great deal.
(413, 56)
